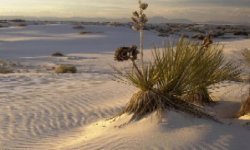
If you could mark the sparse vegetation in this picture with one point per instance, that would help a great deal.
(22, 25)
(214, 69)
(5, 68)
(174, 72)
(176, 75)
(57, 54)
(244, 33)
(84, 32)
(197, 31)
(78, 27)
(65, 68)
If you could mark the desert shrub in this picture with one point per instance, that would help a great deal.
(5, 68)
(58, 54)
(78, 27)
(244, 33)
(213, 69)
(18, 20)
(22, 25)
(65, 68)
(176, 72)
(173, 73)
(84, 32)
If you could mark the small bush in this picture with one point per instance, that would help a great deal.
(84, 32)
(22, 25)
(78, 27)
(174, 71)
(57, 54)
(65, 69)
(244, 33)
(5, 70)
(213, 69)
(18, 20)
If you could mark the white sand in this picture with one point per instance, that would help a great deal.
(43, 110)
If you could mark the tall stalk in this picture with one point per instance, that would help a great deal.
(140, 19)
(141, 46)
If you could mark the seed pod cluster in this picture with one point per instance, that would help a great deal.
(126, 53)
(139, 18)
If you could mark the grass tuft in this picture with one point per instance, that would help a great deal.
(65, 69)
(176, 73)
(5, 67)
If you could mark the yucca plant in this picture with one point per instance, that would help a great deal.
(178, 74)
(245, 106)
(212, 68)
(163, 81)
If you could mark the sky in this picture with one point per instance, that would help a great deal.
(195, 10)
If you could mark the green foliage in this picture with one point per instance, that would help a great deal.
(65, 69)
(177, 73)
(189, 66)
(210, 68)
(144, 79)
(175, 66)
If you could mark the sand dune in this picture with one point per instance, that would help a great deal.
(41, 110)
(39, 106)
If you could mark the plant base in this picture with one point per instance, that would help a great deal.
(201, 97)
(145, 102)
